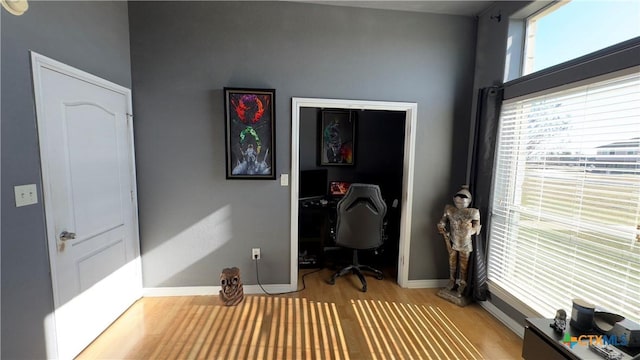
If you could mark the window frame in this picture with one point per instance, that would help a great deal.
(516, 41)
(516, 47)
(529, 41)
(608, 60)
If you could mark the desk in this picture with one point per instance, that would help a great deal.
(314, 231)
(542, 342)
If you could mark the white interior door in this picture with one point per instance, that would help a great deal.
(86, 147)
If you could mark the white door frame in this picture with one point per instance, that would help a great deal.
(411, 111)
(39, 62)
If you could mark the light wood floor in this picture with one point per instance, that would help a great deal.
(322, 322)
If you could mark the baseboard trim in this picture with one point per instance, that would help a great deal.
(255, 289)
(180, 291)
(503, 318)
(210, 290)
(426, 284)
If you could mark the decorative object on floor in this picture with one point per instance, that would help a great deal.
(337, 143)
(582, 315)
(457, 225)
(231, 292)
(560, 321)
(250, 133)
(15, 7)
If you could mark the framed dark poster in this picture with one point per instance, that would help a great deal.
(337, 138)
(250, 133)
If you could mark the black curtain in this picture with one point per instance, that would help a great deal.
(480, 177)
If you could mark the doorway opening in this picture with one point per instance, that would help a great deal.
(407, 112)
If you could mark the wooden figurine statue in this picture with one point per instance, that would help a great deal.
(231, 292)
(457, 225)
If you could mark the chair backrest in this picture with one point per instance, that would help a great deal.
(360, 217)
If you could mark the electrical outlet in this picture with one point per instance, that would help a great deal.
(255, 253)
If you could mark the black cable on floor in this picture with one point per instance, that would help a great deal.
(304, 286)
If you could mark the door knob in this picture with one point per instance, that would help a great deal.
(65, 235)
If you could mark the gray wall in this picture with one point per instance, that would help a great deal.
(90, 36)
(193, 222)
(492, 43)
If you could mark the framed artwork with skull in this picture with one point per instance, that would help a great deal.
(337, 138)
(250, 133)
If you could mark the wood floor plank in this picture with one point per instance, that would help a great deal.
(321, 322)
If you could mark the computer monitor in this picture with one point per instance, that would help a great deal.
(338, 188)
(313, 184)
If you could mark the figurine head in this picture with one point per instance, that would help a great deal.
(231, 292)
(230, 280)
(462, 199)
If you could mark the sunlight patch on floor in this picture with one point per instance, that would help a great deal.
(296, 328)
(258, 328)
(406, 331)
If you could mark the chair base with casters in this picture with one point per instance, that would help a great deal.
(356, 268)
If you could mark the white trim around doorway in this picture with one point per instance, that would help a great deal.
(411, 111)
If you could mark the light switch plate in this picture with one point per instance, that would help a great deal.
(26, 195)
(284, 180)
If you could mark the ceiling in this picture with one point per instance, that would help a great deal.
(452, 7)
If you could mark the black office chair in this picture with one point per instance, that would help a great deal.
(360, 226)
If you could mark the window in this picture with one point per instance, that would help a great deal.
(566, 30)
(565, 217)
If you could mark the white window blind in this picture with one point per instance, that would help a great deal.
(565, 218)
